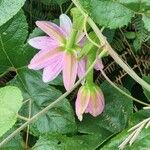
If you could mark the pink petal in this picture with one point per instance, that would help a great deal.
(82, 101)
(65, 24)
(80, 37)
(43, 42)
(99, 65)
(52, 30)
(70, 65)
(81, 68)
(96, 103)
(52, 71)
(82, 42)
(101, 102)
(44, 58)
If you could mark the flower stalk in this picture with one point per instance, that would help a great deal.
(71, 40)
(89, 77)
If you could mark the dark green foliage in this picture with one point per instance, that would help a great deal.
(141, 34)
(127, 29)
(44, 10)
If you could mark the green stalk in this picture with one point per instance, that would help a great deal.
(111, 52)
(72, 39)
(90, 59)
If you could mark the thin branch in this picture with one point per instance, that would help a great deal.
(70, 6)
(28, 127)
(121, 91)
(25, 101)
(22, 117)
(135, 133)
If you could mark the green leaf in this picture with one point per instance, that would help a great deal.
(10, 103)
(142, 142)
(115, 14)
(60, 2)
(92, 132)
(86, 5)
(146, 92)
(59, 119)
(78, 19)
(8, 8)
(130, 35)
(48, 144)
(13, 144)
(12, 37)
(146, 20)
(14, 54)
(63, 142)
(110, 14)
(51, 2)
(136, 5)
(142, 7)
(117, 110)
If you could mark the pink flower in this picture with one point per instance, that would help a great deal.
(89, 100)
(53, 57)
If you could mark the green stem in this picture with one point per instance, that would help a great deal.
(68, 9)
(112, 53)
(89, 78)
(72, 39)
(121, 91)
(22, 117)
(90, 58)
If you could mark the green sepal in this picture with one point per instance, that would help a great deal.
(78, 19)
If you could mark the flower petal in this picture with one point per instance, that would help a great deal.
(65, 24)
(52, 71)
(96, 103)
(81, 37)
(81, 68)
(82, 101)
(70, 65)
(52, 30)
(99, 65)
(101, 102)
(43, 42)
(44, 58)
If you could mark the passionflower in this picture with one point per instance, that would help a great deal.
(53, 57)
(90, 99)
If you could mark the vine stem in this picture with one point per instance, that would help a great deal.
(121, 91)
(105, 76)
(42, 112)
(111, 52)
(70, 6)
(28, 127)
